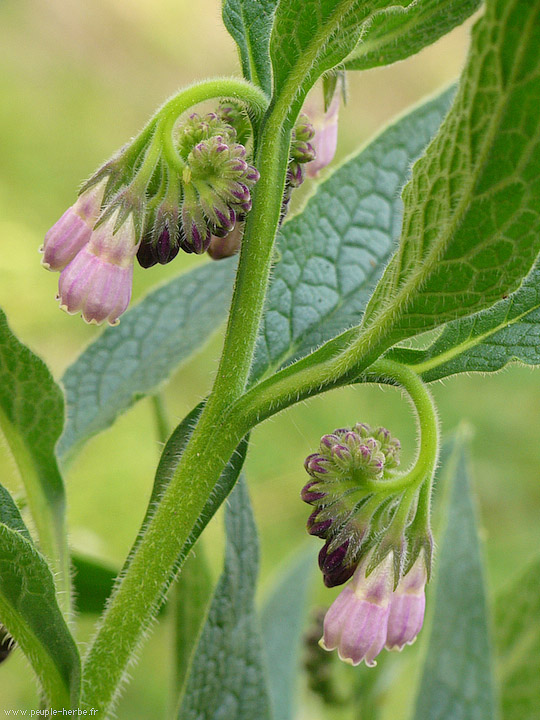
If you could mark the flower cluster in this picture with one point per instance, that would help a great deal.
(367, 520)
(349, 466)
(369, 614)
(143, 204)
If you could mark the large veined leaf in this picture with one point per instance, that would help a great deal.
(250, 24)
(31, 419)
(401, 32)
(129, 361)
(283, 619)
(310, 37)
(471, 227)
(517, 626)
(227, 680)
(28, 609)
(487, 341)
(457, 678)
(333, 253)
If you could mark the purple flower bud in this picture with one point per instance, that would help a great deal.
(97, 282)
(407, 607)
(146, 255)
(71, 233)
(356, 623)
(335, 567)
(295, 175)
(252, 174)
(166, 247)
(308, 495)
(318, 527)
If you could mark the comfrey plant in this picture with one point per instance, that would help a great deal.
(434, 226)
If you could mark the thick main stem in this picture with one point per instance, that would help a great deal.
(212, 444)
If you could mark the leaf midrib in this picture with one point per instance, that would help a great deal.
(471, 342)
(418, 278)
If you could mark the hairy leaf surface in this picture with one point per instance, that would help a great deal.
(487, 341)
(517, 624)
(333, 252)
(401, 32)
(283, 620)
(457, 678)
(250, 24)
(471, 227)
(129, 361)
(29, 611)
(312, 36)
(31, 419)
(227, 678)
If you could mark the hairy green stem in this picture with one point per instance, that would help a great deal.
(155, 559)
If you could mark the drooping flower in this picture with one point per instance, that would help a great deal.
(356, 623)
(407, 607)
(97, 282)
(72, 231)
(326, 136)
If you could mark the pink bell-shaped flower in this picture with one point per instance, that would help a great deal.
(72, 231)
(97, 282)
(407, 607)
(326, 137)
(356, 623)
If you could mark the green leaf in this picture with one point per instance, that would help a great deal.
(487, 341)
(189, 603)
(168, 463)
(92, 582)
(29, 611)
(333, 253)
(401, 32)
(130, 361)
(517, 624)
(457, 679)
(310, 37)
(283, 620)
(31, 419)
(471, 227)
(227, 678)
(250, 24)
(10, 515)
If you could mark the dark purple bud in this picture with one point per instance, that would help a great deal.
(295, 175)
(308, 495)
(240, 192)
(334, 568)
(318, 528)
(316, 463)
(246, 206)
(239, 150)
(166, 249)
(146, 255)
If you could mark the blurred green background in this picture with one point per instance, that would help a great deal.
(79, 78)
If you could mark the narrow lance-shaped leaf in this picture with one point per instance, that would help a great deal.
(471, 228)
(29, 611)
(129, 361)
(283, 619)
(10, 514)
(227, 678)
(191, 597)
(457, 678)
(310, 37)
(517, 634)
(334, 251)
(250, 24)
(31, 419)
(401, 32)
(487, 341)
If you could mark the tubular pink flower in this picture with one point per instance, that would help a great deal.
(97, 282)
(356, 623)
(325, 140)
(73, 230)
(407, 607)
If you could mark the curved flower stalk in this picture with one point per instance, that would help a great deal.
(175, 187)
